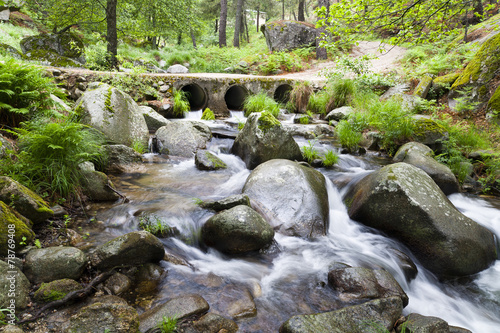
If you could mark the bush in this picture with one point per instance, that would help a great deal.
(348, 136)
(260, 102)
(342, 92)
(318, 102)
(330, 159)
(181, 103)
(208, 115)
(96, 56)
(299, 97)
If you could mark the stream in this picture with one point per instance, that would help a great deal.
(263, 290)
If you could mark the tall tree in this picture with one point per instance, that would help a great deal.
(238, 22)
(111, 36)
(300, 15)
(321, 52)
(222, 24)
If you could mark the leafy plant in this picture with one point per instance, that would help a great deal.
(348, 136)
(139, 146)
(260, 102)
(330, 159)
(319, 101)
(181, 103)
(155, 225)
(309, 152)
(208, 115)
(168, 325)
(342, 91)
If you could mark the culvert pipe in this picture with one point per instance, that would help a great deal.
(234, 97)
(196, 95)
(282, 93)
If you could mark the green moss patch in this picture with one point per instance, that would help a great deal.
(12, 223)
(56, 290)
(267, 121)
(494, 102)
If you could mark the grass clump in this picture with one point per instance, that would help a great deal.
(299, 97)
(348, 136)
(319, 101)
(342, 91)
(330, 159)
(309, 152)
(208, 115)
(181, 103)
(168, 325)
(260, 102)
(154, 225)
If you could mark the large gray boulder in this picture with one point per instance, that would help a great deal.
(96, 185)
(339, 114)
(420, 155)
(292, 197)
(114, 113)
(66, 44)
(54, 263)
(382, 312)
(26, 202)
(134, 248)
(154, 120)
(183, 138)
(360, 283)
(121, 158)
(179, 308)
(177, 69)
(406, 203)
(288, 35)
(237, 230)
(263, 138)
(12, 280)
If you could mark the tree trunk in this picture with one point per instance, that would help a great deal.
(216, 26)
(179, 38)
(300, 15)
(223, 22)
(258, 16)
(321, 51)
(246, 28)
(111, 36)
(237, 24)
(283, 10)
(193, 39)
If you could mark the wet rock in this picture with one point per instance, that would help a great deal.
(455, 329)
(407, 265)
(26, 202)
(118, 283)
(12, 222)
(105, 317)
(237, 230)
(154, 120)
(288, 35)
(134, 248)
(382, 312)
(11, 277)
(359, 283)
(214, 323)
(205, 160)
(309, 131)
(55, 290)
(406, 203)
(425, 324)
(183, 138)
(177, 69)
(303, 119)
(96, 185)
(420, 155)
(121, 158)
(148, 277)
(54, 263)
(290, 196)
(339, 113)
(263, 139)
(226, 203)
(114, 113)
(236, 302)
(179, 308)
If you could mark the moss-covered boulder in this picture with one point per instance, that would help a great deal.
(291, 197)
(114, 113)
(442, 85)
(367, 317)
(12, 280)
(55, 290)
(6, 49)
(237, 230)
(263, 138)
(183, 138)
(96, 185)
(205, 160)
(52, 58)
(406, 203)
(26, 202)
(423, 86)
(15, 225)
(494, 106)
(428, 132)
(421, 156)
(288, 35)
(66, 44)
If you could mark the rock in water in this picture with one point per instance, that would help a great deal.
(406, 203)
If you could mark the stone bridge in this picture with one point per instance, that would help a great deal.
(217, 91)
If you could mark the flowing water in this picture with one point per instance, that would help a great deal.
(291, 278)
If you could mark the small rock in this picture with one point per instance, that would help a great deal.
(177, 69)
(205, 160)
(55, 290)
(226, 203)
(118, 283)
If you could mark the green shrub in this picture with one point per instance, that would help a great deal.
(299, 97)
(208, 115)
(348, 136)
(260, 102)
(285, 61)
(168, 325)
(330, 159)
(319, 101)
(96, 56)
(309, 152)
(342, 92)
(181, 103)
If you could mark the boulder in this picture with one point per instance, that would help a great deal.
(493, 109)
(425, 324)
(11, 278)
(382, 312)
(120, 158)
(179, 308)
(55, 290)
(226, 203)
(147, 278)
(112, 317)
(205, 160)
(153, 119)
(263, 139)
(9, 50)
(428, 132)
(12, 223)
(183, 138)
(134, 248)
(423, 87)
(5, 145)
(54, 263)
(235, 301)
(96, 185)
(404, 202)
(177, 69)
(288, 35)
(214, 323)
(237, 230)
(420, 155)
(339, 113)
(291, 197)
(118, 283)
(310, 131)
(66, 44)
(26, 202)
(114, 113)
(360, 283)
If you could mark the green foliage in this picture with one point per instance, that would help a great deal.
(285, 61)
(260, 102)
(330, 159)
(50, 155)
(342, 91)
(154, 225)
(168, 325)
(309, 152)
(25, 93)
(96, 56)
(319, 101)
(208, 115)
(11, 34)
(348, 136)
(299, 97)
(181, 103)
(133, 84)
(139, 146)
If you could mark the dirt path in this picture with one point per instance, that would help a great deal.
(384, 62)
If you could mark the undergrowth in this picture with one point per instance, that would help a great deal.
(260, 102)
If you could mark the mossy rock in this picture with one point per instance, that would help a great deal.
(6, 49)
(22, 232)
(441, 85)
(494, 105)
(208, 115)
(66, 44)
(52, 58)
(430, 133)
(267, 121)
(423, 87)
(56, 290)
